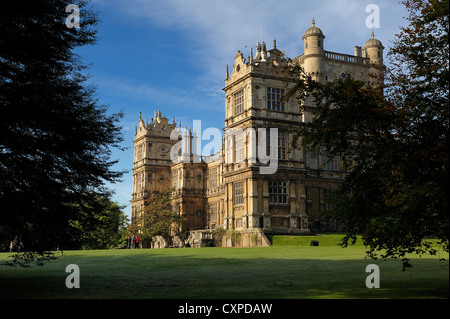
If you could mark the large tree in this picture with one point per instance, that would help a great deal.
(157, 217)
(55, 136)
(393, 140)
(108, 229)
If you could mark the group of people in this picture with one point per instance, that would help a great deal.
(133, 242)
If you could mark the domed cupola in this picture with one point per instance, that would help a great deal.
(313, 30)
(314, 54)
(372, 42)
(373, 49)
(313, 40)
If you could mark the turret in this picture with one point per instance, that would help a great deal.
(373, 49)
(313, 40)
(314, 53)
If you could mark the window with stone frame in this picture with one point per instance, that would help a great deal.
(213, 177)
(239, 147)
(213, 212)
(175, 183)
(275, 99)
(139, 151)
(238, 192)
(277, 192)
(329, 164)
(139, 182)
(281, 147)
(229, 149)
(238, 102)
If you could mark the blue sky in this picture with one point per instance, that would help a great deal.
(171, 55)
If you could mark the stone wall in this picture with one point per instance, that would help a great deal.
(159, 242)
(231, 238)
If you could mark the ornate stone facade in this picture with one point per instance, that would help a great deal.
(232, 192)
(152, 145)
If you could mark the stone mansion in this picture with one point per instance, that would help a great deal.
(231, 192)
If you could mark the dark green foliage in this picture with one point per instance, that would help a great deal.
(24, 259)
(106, 232)
(158, 217)
(55, 137)
(393, 139)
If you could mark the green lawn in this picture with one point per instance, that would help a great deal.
(324, 240)
(301, 271)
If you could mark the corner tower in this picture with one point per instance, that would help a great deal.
(373, 49)
(314, 53)
(152, 161)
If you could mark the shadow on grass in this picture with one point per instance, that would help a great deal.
(237, 274)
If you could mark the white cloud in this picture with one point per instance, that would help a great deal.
(217, 29)
(220, 28)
